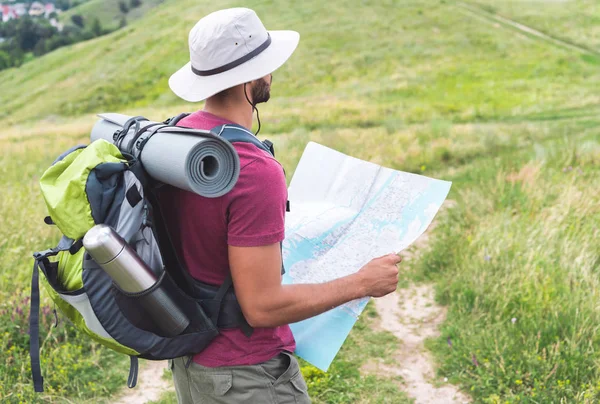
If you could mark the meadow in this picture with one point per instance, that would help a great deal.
(421, 86)
(108, 12)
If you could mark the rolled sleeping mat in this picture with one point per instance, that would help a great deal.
(190, 159)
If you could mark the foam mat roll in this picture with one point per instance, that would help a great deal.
(193, 160)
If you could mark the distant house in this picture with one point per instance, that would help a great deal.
(5, 10)
(37, 9)
(20, 9)
(58, 25)
(49, 9)
(8, 13)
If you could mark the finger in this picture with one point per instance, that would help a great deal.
(395, 258)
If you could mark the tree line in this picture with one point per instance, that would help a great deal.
(28, 37)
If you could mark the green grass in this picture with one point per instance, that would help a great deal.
(73, 366)
(522, 244)
(108, 12)
(576, 22)
(412, 85)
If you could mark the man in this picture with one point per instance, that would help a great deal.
(232, 58)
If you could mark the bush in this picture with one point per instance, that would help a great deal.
(97, 27)
(77, 20)
(5, 61)
(123, 7)
(40, 48)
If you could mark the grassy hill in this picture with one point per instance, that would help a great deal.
(108, 12)
(573, 21)
(512, 120)
(426, 61)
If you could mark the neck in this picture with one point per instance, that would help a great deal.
(234, 108)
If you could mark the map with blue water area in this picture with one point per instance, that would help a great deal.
(345, 212)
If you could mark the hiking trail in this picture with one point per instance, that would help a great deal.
(500, 21)
(412, 315)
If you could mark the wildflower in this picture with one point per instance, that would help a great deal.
(513, 320)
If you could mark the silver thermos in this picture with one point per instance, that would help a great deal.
(133, 276)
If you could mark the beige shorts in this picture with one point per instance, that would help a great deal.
(276, 381)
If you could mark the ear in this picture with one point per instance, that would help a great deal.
(252, 83)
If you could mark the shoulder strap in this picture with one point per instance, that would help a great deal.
(133, 372)
(230, 132)
(236, 133)
(41, 259)
(34, 331)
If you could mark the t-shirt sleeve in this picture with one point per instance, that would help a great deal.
(256, 212)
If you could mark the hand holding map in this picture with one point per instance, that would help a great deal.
(380, 275)
(344, 213)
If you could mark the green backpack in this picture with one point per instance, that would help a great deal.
(99, 184)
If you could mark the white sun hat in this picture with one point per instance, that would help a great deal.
(227, 48)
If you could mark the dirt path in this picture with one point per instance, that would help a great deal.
(507, 22)
(412, 316)
(150, 386)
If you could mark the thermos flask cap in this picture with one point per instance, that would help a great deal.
(102, 243)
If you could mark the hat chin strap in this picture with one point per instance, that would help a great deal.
(253, 109)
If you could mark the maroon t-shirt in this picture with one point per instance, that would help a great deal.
(250, 215)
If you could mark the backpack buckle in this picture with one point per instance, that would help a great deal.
(40, 255)
(146, 219)
(269, 145)
(76, 246)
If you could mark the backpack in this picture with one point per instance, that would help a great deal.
(101, 184)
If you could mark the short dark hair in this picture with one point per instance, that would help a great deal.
(222, 95)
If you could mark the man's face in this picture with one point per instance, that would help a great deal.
(261, 89)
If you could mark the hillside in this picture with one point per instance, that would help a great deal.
(108, 12)
(413, 66)
(426, 86)
(573, 21)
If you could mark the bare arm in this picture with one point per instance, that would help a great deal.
(265, 302)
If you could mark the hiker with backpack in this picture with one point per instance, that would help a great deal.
(232, 58)
(155, 271)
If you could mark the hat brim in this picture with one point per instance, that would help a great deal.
(193, 88)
